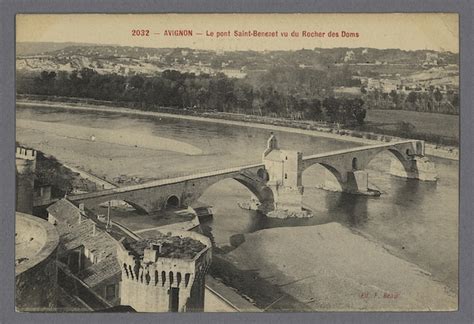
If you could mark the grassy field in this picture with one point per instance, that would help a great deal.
(425, 123)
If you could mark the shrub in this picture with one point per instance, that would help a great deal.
(405, 128)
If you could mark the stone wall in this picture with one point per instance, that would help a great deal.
(148, 283)
(25, 164)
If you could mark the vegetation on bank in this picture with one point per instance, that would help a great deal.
(299, 94)
(290, 94)
(370, 130)
(50, 172)
(432, 101)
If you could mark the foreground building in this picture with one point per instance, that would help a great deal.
(101, 265)
(88, 270)
(165, 273)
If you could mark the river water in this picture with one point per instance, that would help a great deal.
(416, 221)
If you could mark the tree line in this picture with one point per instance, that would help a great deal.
(432, 100)
(204, 92)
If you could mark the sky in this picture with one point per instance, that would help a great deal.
(407, 31)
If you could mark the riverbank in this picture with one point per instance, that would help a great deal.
(330, 268)
(271, 124)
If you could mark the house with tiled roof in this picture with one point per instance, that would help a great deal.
(87, 256)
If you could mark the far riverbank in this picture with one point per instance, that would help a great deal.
(271, 124)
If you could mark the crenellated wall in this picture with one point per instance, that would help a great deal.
(25, 165)
(148, 282)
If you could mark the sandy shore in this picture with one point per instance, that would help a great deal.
(329, 268)
(448, 153)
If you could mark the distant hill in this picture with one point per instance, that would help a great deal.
(304, 56)
(129, 60)
(33, 48)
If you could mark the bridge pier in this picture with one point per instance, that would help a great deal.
(287, 199)
(357, 181)
(416, 167)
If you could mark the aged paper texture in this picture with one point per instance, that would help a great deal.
(237, 162)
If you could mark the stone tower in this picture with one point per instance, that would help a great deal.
(165, 273)
(25, 165)
(285, 176)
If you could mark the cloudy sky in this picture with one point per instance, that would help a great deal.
(404, 31)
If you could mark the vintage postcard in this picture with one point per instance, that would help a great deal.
(237, 162)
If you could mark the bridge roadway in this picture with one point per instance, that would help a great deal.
(164, 182)
(358, 149)
(357, 158)
(184, 190)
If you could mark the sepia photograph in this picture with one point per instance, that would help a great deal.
(237, 162)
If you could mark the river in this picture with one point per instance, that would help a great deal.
(416, 221)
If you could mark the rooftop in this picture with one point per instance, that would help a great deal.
(167, 245)
(99, 243)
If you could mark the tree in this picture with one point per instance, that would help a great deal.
(357, 110)
(405, 128)
(331, 106)
(412, 97)
(313, 110)
(438, 96)
(137, 81)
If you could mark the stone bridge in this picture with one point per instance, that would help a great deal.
(180, 191)
(347, 165)
(277, 182)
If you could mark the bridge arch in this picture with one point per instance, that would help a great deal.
(399, 155)
(256, 187)
(336, 176)
(172, 201)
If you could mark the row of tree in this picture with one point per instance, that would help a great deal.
(187, 90)
(433, 100)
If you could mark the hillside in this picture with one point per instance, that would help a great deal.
(36, 48)
(57, 53)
